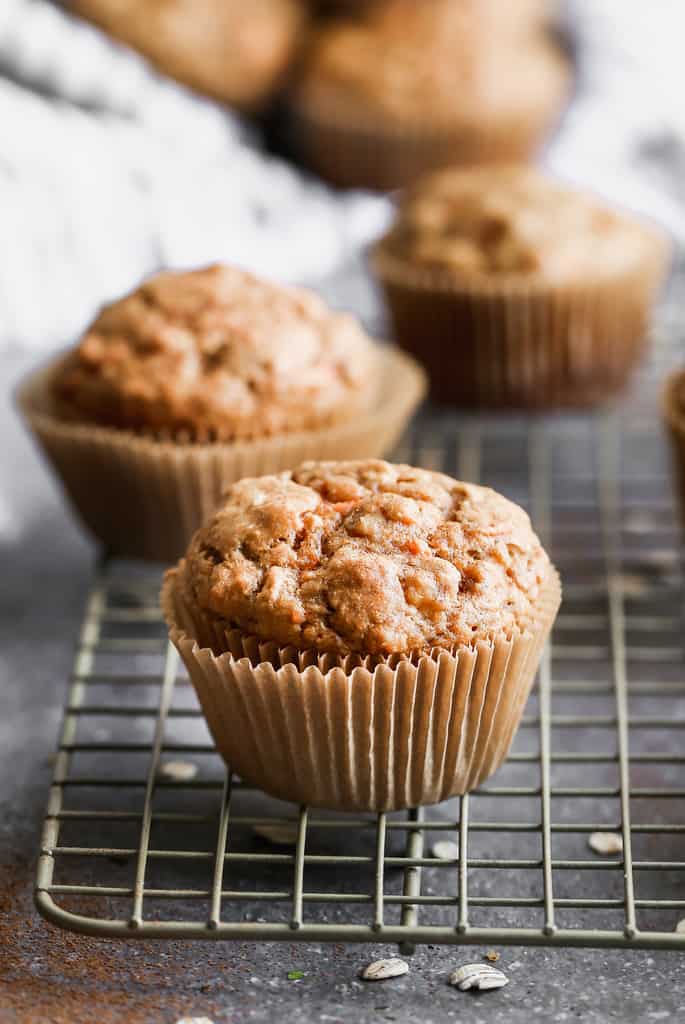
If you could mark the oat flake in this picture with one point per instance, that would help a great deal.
(444, 849)
(606, 843)
(480, 977)
(178, 771)
(382, 969)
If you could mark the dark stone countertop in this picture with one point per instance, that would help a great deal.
(50, 975)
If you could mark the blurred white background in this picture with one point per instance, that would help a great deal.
(109, 171)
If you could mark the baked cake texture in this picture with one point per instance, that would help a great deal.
(217, 355)
(366, 557)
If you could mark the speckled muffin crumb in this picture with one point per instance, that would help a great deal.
(512, 220)
(366, 557)
(217, 354)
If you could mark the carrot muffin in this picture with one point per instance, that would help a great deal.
(674, 415)
(217, 354)
(406, 87)
(373, 608)
(196, 379)
(235, 51)
(515, 289)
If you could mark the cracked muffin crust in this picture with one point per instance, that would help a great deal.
(366, 557)
(512, 220)
(218, 355)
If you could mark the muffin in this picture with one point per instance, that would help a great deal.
(406, 87)
(674, 417)
(234, 51)
(516, 290)
(196, 379)
(362, 635)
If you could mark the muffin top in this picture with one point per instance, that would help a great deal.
(511, 220)
(443, 59)
(366, 557)
(230, 49)
(217, 354)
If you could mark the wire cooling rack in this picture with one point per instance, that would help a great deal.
(128, 850)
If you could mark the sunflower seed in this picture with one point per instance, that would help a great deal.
(178, 771)
(680, 927)
(606, 843)
(478, 976)
(444, 849)
(279, 835)
(382, 969)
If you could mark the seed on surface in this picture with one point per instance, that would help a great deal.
(279, 835)
(480, 977)
(606, 843)
(445, 849)
(178, 771)
(194, 1020)
(382, 969)
(492, 955)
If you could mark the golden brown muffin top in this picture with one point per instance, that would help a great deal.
(236, 50)
(366, 557)
(511, 220)
(217, 354)
(434, 59)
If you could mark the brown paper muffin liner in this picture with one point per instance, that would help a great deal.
(674, 418)
(504, 342)
(358, 734)
(361, 150)
(144, 498)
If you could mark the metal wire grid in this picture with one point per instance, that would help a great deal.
(126, 852)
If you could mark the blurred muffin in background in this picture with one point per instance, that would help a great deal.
(519, 13)
(235, 51)
(516, 290)
(196, 379)
(406, 87)
(674, 419)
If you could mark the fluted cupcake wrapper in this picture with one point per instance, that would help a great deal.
(507, 343)
(674, 418)
(358, 734)
(370, 151)
(144, 498)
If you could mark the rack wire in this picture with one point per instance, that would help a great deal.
(128, 851)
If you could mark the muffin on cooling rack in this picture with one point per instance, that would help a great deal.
(196, 379)
(674, 416)
(237, 52)
(516, 290)
(362, 635)
(405, 87)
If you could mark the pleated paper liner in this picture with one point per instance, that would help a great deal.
(144, 498)
(505, 342)
(355, 149)
(359, 734)
(674, 418)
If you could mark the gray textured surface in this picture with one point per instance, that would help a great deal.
(46, 975)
